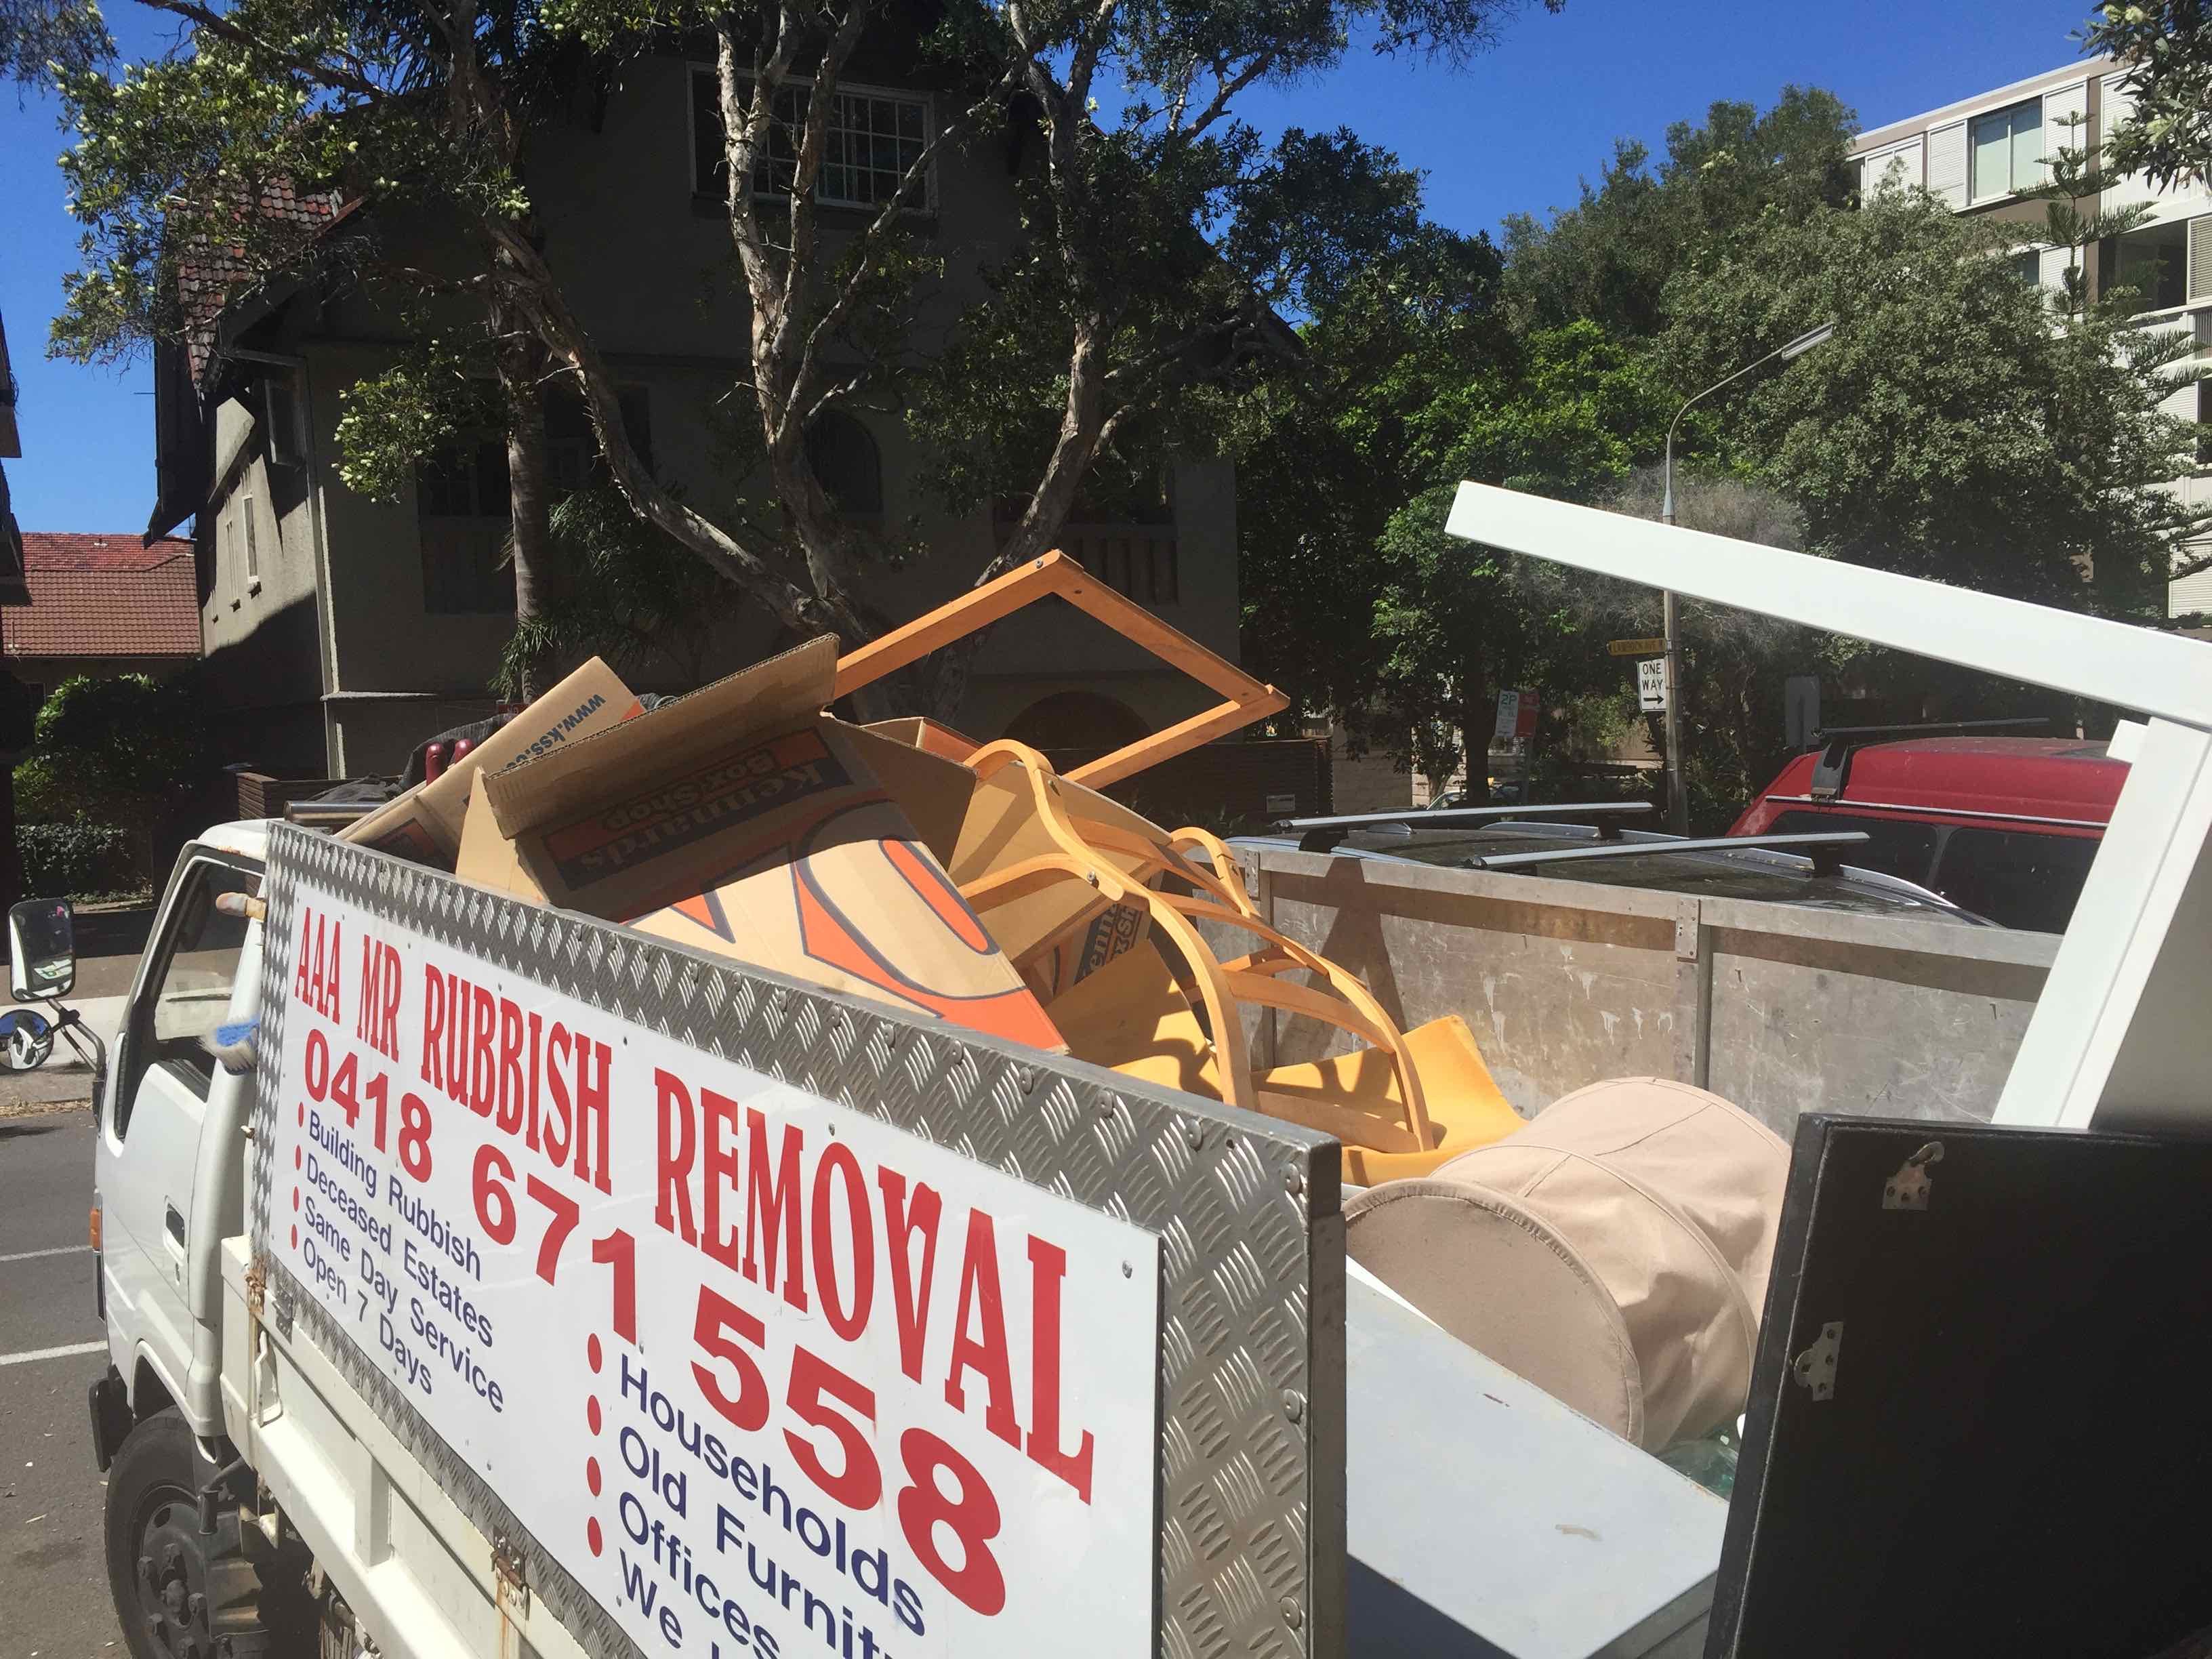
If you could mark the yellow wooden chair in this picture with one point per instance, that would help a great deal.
(1401, 1102)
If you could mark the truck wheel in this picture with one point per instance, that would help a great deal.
(156, 1566)
(184, 1594)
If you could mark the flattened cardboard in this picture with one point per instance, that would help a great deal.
(856, 906)
(933, 793)
(778, 694)
(740, 820)
(426, 823)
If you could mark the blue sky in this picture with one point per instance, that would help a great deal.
(1514, 132)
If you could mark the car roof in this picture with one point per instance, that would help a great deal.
(1750, 873)
(2063, 778)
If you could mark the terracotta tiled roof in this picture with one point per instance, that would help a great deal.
(85, 605)
(54, 550)
(209, 274)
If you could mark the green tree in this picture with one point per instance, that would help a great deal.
(1568, 414)
(1327, 454)
(35, 35)
(620, 590)
(122, 750)
(2166, 48)
(1158, 241)
(1960, 426)
(1608, 259)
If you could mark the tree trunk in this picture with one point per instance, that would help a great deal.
(520, 361)
(1477, 718)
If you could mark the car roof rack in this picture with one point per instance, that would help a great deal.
(1821, 849)
(1837, 743)
(1322, 835)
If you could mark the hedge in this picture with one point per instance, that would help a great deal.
(76, 859)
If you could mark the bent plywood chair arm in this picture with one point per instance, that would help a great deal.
(1218, 895)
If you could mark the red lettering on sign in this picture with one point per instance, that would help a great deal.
(986, 1356)
(772, 1201)
(510, 1069)
(1048, 1266)
(847, 1319)
(910, 1289)
(721, 1175)
(671, 1209)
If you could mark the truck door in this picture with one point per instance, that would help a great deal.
(164, 1068)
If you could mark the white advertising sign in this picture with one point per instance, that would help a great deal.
(1651, 684)
(766, 1375)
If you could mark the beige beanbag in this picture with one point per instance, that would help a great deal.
(1613, 1251)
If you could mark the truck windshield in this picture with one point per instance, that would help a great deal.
(189, 988)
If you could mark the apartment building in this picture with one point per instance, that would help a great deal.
(1981, 154)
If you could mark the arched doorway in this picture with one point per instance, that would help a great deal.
(1085, 721)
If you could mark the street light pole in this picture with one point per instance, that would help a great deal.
(1678, 800)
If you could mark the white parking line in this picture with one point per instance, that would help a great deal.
(62, 1352)
(33, 1255)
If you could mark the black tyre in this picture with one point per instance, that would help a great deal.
(156, 1566)
(185, 1594)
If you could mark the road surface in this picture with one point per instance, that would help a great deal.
(53, 1576)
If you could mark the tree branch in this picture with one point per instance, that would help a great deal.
(1225, 90)
(534, 289)
(215, 24)
(879, 228)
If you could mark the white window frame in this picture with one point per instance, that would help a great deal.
(252, 545)
(926, 205)
(1975, 196)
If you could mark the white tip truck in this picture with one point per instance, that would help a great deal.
(484, 1279)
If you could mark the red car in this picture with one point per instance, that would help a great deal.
(2002, 826)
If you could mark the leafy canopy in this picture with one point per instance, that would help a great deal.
(1960, 426)
(2167, 47)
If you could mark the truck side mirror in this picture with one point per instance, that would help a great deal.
(42, 949)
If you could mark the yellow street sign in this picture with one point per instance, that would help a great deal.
(1636, 648)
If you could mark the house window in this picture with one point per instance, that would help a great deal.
(573, 460)
(2025, 267)
(1139, 568)
(253, 548)
(2204, 423)
(873, 138)
(2006, 151)
(846, 462)
(2152, 263)
(462, 508)
(461, 505)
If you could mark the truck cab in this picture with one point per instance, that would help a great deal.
(168, 1179)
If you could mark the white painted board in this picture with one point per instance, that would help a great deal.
(764, 1374)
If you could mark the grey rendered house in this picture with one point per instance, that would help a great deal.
(339, 630)
(1981, 153)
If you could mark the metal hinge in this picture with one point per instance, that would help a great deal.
(1908, 1189)
(507, 1572)
(1815, 1368)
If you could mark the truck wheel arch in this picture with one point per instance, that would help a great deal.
(149, 1390)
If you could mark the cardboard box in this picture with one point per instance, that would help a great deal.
(743, 821)
(920, 731)
(425, 823)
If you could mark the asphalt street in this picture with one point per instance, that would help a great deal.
(54, 1602)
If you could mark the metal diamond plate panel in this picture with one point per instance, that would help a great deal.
(1250, 1468)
